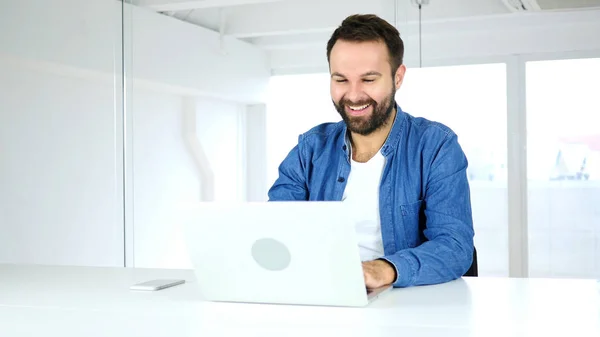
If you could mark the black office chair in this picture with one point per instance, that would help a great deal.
(473, 272)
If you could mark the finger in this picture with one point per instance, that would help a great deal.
(369, 280)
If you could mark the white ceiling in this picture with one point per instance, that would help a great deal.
(276, 24)
(284, 27)
(291, 22)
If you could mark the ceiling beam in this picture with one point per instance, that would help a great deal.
(291, 41)
(307, 16)
(492, 40)
(291, 17)
(292, 29)
(182, 5)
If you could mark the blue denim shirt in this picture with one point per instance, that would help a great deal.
(424, 203)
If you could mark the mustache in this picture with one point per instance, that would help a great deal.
(344, 102)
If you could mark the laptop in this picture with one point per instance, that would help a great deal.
(299, 253)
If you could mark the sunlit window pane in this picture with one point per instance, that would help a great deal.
(563, 126)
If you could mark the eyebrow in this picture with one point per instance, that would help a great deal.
(370, 73)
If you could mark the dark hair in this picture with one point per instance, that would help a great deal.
(366, 28)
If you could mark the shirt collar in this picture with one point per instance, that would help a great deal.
(391, 143)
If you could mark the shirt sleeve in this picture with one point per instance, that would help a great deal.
(448, 251)
(290, 185)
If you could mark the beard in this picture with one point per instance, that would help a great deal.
(365, 125)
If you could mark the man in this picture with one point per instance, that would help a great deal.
(405, 177)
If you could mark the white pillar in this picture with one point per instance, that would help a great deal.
(256, 152)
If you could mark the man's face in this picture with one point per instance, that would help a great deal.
(362, 85)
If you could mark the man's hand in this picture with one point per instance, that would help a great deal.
(378, 273)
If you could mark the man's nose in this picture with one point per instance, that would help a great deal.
(355, 93)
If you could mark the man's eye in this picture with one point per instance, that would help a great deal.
(368, 80)
(340, 81)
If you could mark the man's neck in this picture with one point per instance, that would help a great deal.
(365, 147)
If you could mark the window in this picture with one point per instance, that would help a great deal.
(295, 104)
(563, 150)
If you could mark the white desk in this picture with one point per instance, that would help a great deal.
(81, 301)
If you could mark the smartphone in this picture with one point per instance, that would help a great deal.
(155, 285)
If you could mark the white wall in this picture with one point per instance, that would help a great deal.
(180, 68)
(165, 175)
(185, 58)
(60, 195)
(82, 36)
(220, 131)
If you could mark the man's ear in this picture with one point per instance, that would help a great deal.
(399, 76)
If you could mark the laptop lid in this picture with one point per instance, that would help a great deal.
(276, 252)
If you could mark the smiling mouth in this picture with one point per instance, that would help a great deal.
(359, 108)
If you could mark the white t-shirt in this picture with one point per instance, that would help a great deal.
(362, 192)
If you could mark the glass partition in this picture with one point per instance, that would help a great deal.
(193, 98)
(60, 133)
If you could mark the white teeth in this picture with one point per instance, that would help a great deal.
(359, 107)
